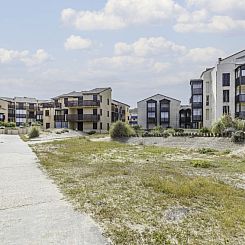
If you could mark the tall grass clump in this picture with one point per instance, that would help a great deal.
(120, 129)
(34, 133)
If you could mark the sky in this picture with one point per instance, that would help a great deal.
(136, 47)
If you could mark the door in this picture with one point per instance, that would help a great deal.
(80, 126)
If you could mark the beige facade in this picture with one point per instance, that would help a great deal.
(3, 110)
(84, 111)
(119, 111)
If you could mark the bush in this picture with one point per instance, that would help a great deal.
(34, 133)
(170, 131)
(206, 151)
(138, 130)
(91, 132)
(239, 124)
(204, 130)
(218, 128)
(238, 137)
(179, 130)
(201, 164)
(120, 129)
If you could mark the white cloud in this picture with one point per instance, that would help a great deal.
(120, 13)
(218, 6)
(77, 42)
(215, 24)
(148, 47)
(8, 56)
(207, 55)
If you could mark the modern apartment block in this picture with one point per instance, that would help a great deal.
(119, 111)
(158, 110)
(83, 111)
(21, 110)
(220, 90)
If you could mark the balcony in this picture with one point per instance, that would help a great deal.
(197, 118)
(185, 119)
(164, 120)
(83, 103)
(83, 118)
(151, 120)
(240, 81)
(59, 118)
(240, 98)
(197, 104)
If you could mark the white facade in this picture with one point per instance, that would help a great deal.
(151, 112)
(219, 89)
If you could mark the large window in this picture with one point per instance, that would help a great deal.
(95, 125)
(197, 85)
(197, 112)
(226, 79)
(151, 114)
(165, 116)
(197, 98)
(226, 95)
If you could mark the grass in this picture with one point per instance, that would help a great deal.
(129, 189)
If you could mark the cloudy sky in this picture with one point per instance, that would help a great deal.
(137, 47)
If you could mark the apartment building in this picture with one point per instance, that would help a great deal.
(158, 110)
(84, 111)
(185, 116)
(220, 90)
(21, 110)
(133, 117)
(119, 111)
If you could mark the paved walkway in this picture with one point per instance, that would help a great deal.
(32, 210)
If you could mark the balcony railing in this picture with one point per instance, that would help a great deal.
(241, 114)
(164, 120)
(83, 103)
(240, 98)
(196, 118)
(197, 104)
(60, 118)
(151, 120)
(83, 118)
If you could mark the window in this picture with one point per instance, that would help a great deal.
(197, 98)
(151, 115)
(226, 95)
(164, 106)
(197, 112)
(226, 110)
(95, 125)
(46, 113)
(101, 112)
(66, 101)
(108, 126)
(151, 105)
(108, 101)
(207, 114)
(226, 79)
(95, 97)
(165, 116)
(94, 111)
(101, 126)
(197, 85)
(47, 125)
(207, 100)
(101, 98)
(108, 114)
(207, 87)
(243, 73)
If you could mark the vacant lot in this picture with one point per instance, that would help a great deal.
(149, 194)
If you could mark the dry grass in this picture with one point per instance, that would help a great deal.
(130, 191)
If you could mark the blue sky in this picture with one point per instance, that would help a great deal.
(138, 47)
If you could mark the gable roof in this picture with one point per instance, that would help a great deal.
(167, 97)
(116, 101)
(81, 93)
(233, 55)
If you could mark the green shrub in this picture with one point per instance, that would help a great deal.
(218, 128)
(120, 129)
(239, 124)
(138, 130)
(91, 132)
(34, 133)
(206, 151)
(204, 130)
(238, 137)
(179, 130)
(201, 163)
(170, 131)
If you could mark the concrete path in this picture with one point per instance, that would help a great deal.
(32, 210)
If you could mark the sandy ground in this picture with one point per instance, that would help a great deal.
(32, 210)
